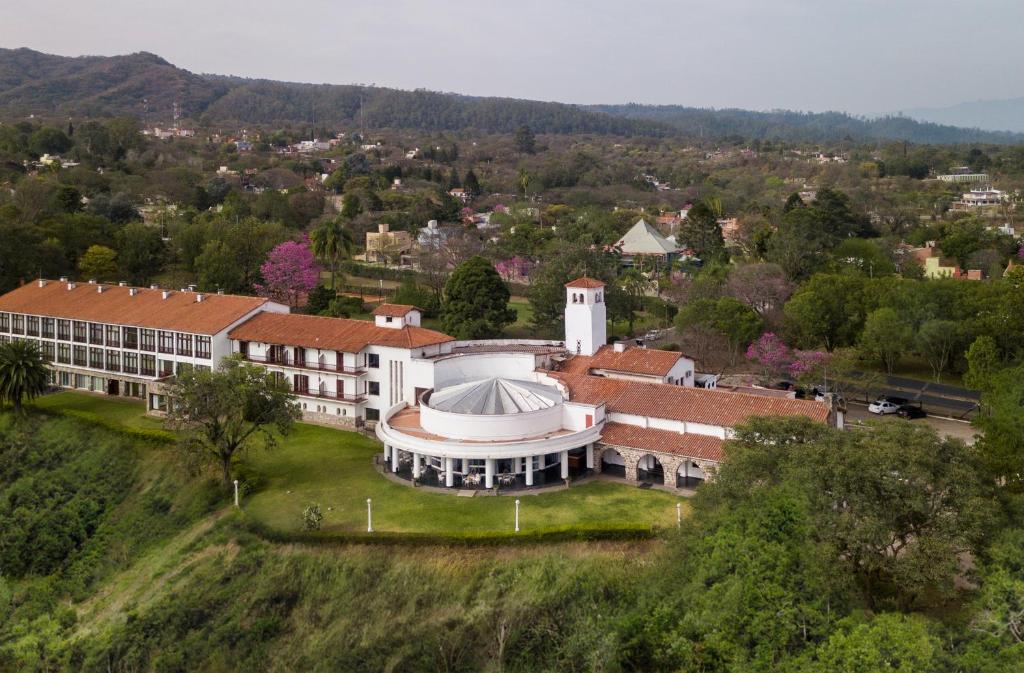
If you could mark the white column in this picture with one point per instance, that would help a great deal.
(417, 465)
(465, 466)
(565, 464)
(590, 456)
(449, 472)
(528, 467)
(394, 459)
(489, 473)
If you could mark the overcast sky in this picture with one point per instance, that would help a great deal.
(862, 56)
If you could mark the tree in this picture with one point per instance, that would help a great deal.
(475, 304)
(886, 337)
(762, 287)
(98, 263)
(523, 181)
(983, 362)
(889, 643)
(331, 240)
(525, 140)
(700, 231)
(140, 253)
(730, 317)
(472, 183)
(772, 353)
(48, 140)
(936, 341)
(827, 310)
(289, 273)
(217, 267)
(23, 373)
(225, 411)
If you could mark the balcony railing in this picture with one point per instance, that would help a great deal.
(306, 364)
(330, 395)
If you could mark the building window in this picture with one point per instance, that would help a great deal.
(96, 358)
(373, 361)
(48, 328)
(113, 336)
(167, 342)
(113, 361)
(18, 324)
(373, 388)
(184, 344)
(33, 326)
(167, 368)
(130, 336)
(184, 368)
(64, 354)
(373, 414)
(301, 383)
(147, 365)
(47, 348)
(131, 363)
(80, 331)
(64, 330)
(81, 356)
(148, 342)
(95, 334)
(203, 347)
(5, 322)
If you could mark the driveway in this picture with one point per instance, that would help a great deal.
(946, 427)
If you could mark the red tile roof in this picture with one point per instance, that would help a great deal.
(647, 361)
(680, 403)
(395, 310)
(338, 334)
(688, 444)
(585, 282)
(181, 311)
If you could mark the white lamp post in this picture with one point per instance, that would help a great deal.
(679, 515)
(517, 515)
(236, 493)
(369, 515)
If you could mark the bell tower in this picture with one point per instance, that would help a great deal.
(586, 318)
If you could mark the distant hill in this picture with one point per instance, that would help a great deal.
(805, 126)
(991, 115)
(145, 85)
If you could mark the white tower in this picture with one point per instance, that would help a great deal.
(586, 319)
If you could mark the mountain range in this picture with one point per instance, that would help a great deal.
(991, 115)
(147, 86)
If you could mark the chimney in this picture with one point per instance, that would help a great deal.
(71, 286)
(132, 292)
(153, 287)
(199, 297)
(619, 346)
(165, 294)
(63, 279)
(92, 281)
(42, 282)
(191, 288)
(220, 290)
(122, 284)
(100, 289)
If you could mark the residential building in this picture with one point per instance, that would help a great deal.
(385, 245)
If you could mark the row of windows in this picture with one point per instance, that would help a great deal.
(113, 336)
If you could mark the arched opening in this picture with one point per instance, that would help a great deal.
(612, 463)
(689, 475)
(649, 468)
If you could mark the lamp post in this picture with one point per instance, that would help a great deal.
(369, 515)
(236, 493)
(517, 515)
(679, 515)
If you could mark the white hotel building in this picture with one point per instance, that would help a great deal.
(456, 414)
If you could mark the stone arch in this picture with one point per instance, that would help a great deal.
(612, 462)
(691, 473)
(650, 469)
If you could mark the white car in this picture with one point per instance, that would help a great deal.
(883, 407)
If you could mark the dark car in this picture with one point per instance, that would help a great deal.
(910, 411)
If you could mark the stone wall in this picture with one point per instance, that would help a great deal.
(670, 462)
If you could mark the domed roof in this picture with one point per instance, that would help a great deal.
(495, 396)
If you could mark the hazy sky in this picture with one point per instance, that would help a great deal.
(862, 56)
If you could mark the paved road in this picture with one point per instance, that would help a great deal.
(945, 427)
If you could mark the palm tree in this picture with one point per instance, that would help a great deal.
(23, 373)
(331, 240)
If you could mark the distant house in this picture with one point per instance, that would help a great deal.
(730, 227)
(981, 200)
(514, 270)
(434, 236)
(387, 246)
(940, 267)
(644, 241)
(461, 194)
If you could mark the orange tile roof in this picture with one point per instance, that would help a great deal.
(681, 403)
(395, 310)
(338, 334)
(688, 444)
(585, 282)
(115, 305)
(647, 361)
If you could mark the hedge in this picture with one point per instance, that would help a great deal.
(471, 539)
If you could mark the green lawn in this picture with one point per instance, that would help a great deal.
(334, 469)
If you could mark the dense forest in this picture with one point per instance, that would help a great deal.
(146, 86)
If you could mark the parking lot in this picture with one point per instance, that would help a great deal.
(946, 427)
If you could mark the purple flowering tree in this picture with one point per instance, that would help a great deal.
(772, 353)
(290, 273)
(808, 367)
